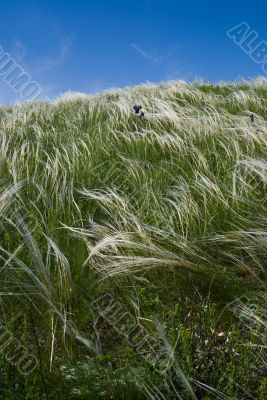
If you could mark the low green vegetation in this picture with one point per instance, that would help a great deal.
(166, 215)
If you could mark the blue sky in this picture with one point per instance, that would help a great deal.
(88, 46)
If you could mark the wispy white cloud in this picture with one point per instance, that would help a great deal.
(156, 59)
(144, 53)
(169, 54)
(36, 67)
(20, 51)
(66, 45)
(48, 63)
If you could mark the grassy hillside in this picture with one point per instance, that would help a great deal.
(167, 215)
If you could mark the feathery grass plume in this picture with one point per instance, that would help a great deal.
(93, 198)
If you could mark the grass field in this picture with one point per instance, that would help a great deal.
(167, 215)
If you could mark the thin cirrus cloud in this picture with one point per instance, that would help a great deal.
(144, 53)
(156, 60)
(20, 51)
(47, 64)
(36, 67)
